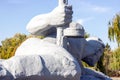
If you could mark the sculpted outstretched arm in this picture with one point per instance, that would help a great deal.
(60, 16)
(38, 24)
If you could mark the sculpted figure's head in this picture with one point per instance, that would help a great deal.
(95, 50)
(76, 41)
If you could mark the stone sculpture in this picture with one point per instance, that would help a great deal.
(45, 61)
(58, 56)
(60, 16)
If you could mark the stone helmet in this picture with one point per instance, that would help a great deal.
(75, 30)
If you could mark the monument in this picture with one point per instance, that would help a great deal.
(58, 56)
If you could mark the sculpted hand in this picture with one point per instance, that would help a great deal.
(61, 15)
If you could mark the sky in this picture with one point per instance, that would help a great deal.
(94, 15)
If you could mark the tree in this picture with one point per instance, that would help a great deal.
(114, 29)
(86, 35)
(10, 45)
(114, 63)
(105, 60)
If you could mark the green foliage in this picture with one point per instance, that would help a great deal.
(10, 45)
(86, 35)
(114, 63)
(114, 29)
(99, 66)
(115, 60)
(34, 36)
(106, 59)
(110, 61)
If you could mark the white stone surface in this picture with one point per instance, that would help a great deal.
(59, 36)
(90, 51)
(75, 29)
(36, 59)
(59, 17)
(93, 50)
(36, 67)
(93, 75)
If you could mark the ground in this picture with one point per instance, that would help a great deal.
(116, 78)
